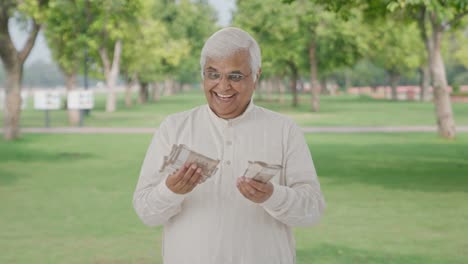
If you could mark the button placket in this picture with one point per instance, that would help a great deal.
(228, 149)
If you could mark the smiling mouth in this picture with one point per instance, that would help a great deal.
(224, 97)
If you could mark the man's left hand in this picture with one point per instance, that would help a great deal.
(255, 191)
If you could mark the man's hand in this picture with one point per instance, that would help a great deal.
(185, 179)
(255, 191)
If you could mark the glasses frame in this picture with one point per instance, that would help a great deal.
(231, 77)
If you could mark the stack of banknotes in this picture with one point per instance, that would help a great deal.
(261, 171)
(181, 154)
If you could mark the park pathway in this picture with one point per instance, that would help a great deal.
(148, 130)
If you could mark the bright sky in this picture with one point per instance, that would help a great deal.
(42, 52)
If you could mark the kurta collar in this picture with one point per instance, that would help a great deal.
(233, 121)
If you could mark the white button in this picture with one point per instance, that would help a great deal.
(229, 142)
(228, 162)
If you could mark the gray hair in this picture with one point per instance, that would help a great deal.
(228, 41)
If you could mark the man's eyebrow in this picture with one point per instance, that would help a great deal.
(211, 69)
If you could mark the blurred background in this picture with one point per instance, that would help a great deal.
(380, 88)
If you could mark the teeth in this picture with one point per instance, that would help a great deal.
(224, 96)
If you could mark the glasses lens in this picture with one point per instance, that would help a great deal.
(235, 77)
(213, 75)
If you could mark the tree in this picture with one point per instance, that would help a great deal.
(151, 49)
(65, 33)
(396, 48)
(333, 43)
(436, 17)
(190, 22)
(193, 21)
(110, 21)
(275, 27)
(32, 12)
(303, 36)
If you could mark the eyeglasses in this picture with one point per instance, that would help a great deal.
(233, 77)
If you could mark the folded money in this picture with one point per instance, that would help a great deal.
(261, 171)
(181, 154)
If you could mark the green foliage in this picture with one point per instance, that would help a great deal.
(34, 9)
(148, 46)
(444, 11)
(459, 45)
(109, 21)
(275, 27)
(191, 23)
(167, 40)
(66, 33)
(285, 32)
(396, 47)
(365, 73)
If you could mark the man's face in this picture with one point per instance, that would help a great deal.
(230, 93)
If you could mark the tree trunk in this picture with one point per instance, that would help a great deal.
(424, 82)
(13, 61)
(156, 92)
(73, 114)
(128, 94)
(443, 105)
(144, 93)
(394, 80)
(314, 82)
(168, 87)
(177, 87)
(347, 79)
(111, 73)
(130, 82)
(293, 83)
(282, 90)
(323, 86)
(12, 109)
(269, 89)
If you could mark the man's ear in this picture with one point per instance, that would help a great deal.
(259, 73)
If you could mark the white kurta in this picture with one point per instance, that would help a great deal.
(214, 223)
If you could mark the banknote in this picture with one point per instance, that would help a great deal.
(180, 154)
(261, 171)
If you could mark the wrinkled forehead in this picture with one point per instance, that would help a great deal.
(238, 61)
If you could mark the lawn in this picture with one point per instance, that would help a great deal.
(344, 110)
(391, 198)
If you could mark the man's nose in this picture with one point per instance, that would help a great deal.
(224, 82)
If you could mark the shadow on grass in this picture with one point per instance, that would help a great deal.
(20, 152)
(326, 253)
(7, 177)
(396, 165)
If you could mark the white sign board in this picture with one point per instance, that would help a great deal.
(24, 100)
(83, 99)
(47, 100)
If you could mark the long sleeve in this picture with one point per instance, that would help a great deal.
(153, 201)
(300, 202)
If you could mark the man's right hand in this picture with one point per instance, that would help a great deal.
(185, 179)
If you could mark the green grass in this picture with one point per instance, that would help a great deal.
(391, 198)
(344, 110)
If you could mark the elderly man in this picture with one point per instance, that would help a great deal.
(229, 218)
